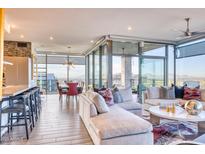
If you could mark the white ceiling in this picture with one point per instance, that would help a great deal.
(77, 27)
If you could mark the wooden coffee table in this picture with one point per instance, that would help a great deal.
(180, 116)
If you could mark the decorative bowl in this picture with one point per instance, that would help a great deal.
(193, 107)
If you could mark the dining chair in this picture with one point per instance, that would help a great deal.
(61, 91)
(81, 86)
(72, 90)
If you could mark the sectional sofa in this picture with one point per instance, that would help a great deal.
(120, 125)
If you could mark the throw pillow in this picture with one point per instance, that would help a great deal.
(100, 104)
(126, 94)
(107, 95)
(179, 91)
(117, 97)
(153, 92)
(167, 92)
(203, 94)
(98, 89)
(191, 93)
(93, 110)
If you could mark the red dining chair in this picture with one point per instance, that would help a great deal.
(72, 90)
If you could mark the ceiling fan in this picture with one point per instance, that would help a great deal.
(69, 64)
(187, 33)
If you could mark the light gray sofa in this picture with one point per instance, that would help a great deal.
(118, 126)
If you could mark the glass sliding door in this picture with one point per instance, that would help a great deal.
(152, 72)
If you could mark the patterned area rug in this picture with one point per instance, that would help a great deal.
(168, 132)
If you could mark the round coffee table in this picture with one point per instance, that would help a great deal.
(156, 113)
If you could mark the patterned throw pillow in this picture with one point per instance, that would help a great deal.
(192, 93)
(107, 95)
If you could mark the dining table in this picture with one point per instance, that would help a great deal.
(66, 87)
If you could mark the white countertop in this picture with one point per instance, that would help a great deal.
(13, 90)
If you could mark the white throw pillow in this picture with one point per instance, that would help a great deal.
(93, 110)
(100, 103)
(153, 92)
(90, 94)
(126, 94)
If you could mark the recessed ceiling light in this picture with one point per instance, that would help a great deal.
(129, 28)
(51, 38)
(21, 36)
(91, 41)
(13, 26)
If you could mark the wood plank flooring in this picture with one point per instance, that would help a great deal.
(59, 123)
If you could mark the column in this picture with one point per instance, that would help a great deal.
(126, 75)
(109, 72)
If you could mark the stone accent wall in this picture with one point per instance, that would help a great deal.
(11, 49)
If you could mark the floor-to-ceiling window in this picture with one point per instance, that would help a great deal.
(190, 69)
(135, 74)
(132, 62)
(190, 61)
(170, 65)
(42, 71)
(77, 71)
(152, 72)
(117, 70)
(124, 65)
(56, 71)
(98, 67)
(153, 65)
(56, 68)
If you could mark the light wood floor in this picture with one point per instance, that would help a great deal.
(59, 123)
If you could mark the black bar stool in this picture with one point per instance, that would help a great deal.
(37, 96)
(17, 108)
(35, 103)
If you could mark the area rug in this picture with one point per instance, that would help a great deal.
(167, 133)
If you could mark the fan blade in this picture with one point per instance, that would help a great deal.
(198, 33)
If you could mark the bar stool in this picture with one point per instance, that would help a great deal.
(35, 103)
(38, 99)
(17, 108)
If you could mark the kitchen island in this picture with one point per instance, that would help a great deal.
(14, 90)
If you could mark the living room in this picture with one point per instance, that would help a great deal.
(75, 76)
